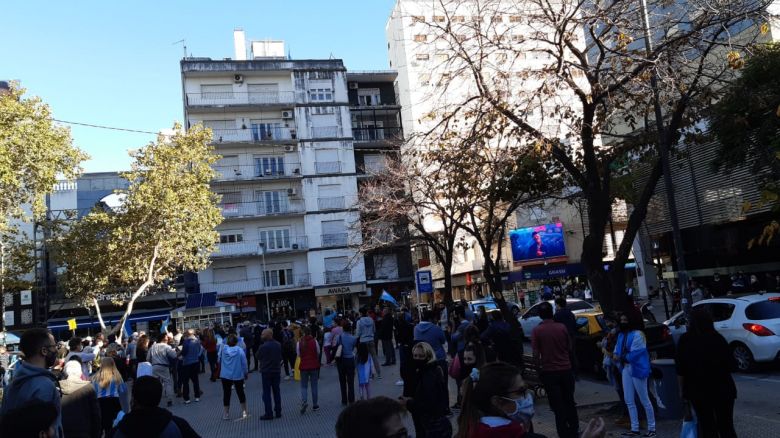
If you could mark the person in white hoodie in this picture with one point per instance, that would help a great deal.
(365, 335)
(233, 371)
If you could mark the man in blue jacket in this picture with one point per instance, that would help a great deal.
(190, 365)
(32, 379)
(270, 357)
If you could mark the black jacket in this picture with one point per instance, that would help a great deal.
(385, 330)
(152, 423)
(80, 410)
(705, 362)
(430, 395)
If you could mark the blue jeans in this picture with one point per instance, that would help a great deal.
(314, 376)
(633, 385)
(271, 383)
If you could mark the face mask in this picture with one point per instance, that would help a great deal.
(51, 358)
(623, 326)
(524, 408)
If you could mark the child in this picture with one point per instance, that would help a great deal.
(364, 371)
(327, 341)
(496, 403)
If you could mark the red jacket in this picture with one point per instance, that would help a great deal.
(310, 359)
(511, 430)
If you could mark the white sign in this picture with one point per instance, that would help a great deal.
(8, 319)
(339, 290)
(26, 297)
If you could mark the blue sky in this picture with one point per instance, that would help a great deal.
(114, 64)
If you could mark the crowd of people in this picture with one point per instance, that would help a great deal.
(103, 387)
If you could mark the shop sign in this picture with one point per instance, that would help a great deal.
(339, 290)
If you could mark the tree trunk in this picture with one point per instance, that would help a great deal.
(137, 294)
(592, 251)
(99, 315)
(447, 268)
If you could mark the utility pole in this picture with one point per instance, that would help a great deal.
(664, 140)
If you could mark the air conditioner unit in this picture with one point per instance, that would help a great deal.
(292, 192)
(353, 85)
(287, 114)
(238, 78)
(289, 148)
(294, 246)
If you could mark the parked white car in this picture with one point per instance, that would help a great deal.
(750, 324)
(531, 319)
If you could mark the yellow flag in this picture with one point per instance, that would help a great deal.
(72, 324)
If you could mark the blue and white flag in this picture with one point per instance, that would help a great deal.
(389, 298)
(128, 329)
(164, 328)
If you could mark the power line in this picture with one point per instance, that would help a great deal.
(105, 127)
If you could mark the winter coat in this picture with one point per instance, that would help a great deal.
(433, 335)
(31, 382)
(80, 409)
(232, 362)
(153, 422)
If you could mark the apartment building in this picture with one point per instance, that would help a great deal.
(378, 133)
(287, 179)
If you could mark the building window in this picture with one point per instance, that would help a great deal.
(321, 75)
(515, 19)
(321, 95)
(222, 91)
(275, 239)
(269, 166)
(518, 38)
(442, 57)
(278, 277)
(424, 78)
(234, 273)
(476, 18)
(496, 19)
(501, 58)
(270, 202)
(439, 18)
(418, 19)
(458, 19)
(385, 267)
(321, 110)
(231, 236)
(422, 56)
(421, 38)
(370, 96)
(230, 202)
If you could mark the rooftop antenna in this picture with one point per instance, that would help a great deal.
(183, 42)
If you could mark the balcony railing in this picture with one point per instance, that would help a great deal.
(335, 277)
(376, 134)
(254, 285)
(324, 131)
(333, 203)
(254, 134)
(338, 239)
(259, 171)
(254, 209)
(321, 167)
(244, 98)
(252, 247)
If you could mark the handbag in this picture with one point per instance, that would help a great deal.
(689, 426)
(454, 370)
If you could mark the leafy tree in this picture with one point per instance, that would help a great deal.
(166, 224)
(34, 154)
(746, 122)
(590, 84)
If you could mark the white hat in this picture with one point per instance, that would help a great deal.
(88, 338)
(73, 369)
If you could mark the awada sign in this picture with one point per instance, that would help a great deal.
(339, 290)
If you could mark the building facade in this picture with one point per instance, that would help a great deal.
(286, 177)
(378, 134)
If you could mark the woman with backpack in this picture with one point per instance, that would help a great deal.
(309, 351)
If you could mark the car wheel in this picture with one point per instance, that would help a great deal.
(743, 357)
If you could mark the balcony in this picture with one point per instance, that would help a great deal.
(336, 277)
(260, 209)
(254, 285)
(326, 167)
(251, 247)
(377, 134)
(255, 134)
(246, 98)
(338, 239)
(332, 203)
(324, 132)
(246, 172)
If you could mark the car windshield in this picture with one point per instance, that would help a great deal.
(763, 310)
(578, 305)
(487, 304)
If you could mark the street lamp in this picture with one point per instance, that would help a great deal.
(261, 251)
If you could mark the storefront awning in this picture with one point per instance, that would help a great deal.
(110, 319)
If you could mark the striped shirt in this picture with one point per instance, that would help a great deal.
(114, 389)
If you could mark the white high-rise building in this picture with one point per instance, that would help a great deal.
(287, 179)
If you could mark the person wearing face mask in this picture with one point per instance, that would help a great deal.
(633, 359)
(32, 378)
(496, 404)
(429, 403)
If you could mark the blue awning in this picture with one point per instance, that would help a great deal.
(86, 321)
